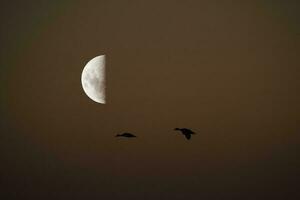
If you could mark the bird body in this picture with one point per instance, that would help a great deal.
(128, 135)
(186, 132)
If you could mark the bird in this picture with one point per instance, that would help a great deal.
(128, 135)
(186, 132)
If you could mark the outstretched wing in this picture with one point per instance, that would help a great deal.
(188, 136)
(189, 131)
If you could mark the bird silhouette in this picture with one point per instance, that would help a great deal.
(186, 132)
(128, 135)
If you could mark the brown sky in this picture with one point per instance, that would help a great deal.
(226, 70)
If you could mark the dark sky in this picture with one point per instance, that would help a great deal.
(229, 70)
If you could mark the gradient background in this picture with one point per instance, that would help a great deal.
(227, 69)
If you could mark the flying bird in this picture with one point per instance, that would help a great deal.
(128, 135)
(186, 132)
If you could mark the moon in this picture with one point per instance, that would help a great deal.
(93, 79)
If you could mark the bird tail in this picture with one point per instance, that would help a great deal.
(118, 135)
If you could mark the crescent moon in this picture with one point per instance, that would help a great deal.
(93, 79)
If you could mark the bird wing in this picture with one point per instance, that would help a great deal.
(188, 136)
(129, 135)
(186, 130)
